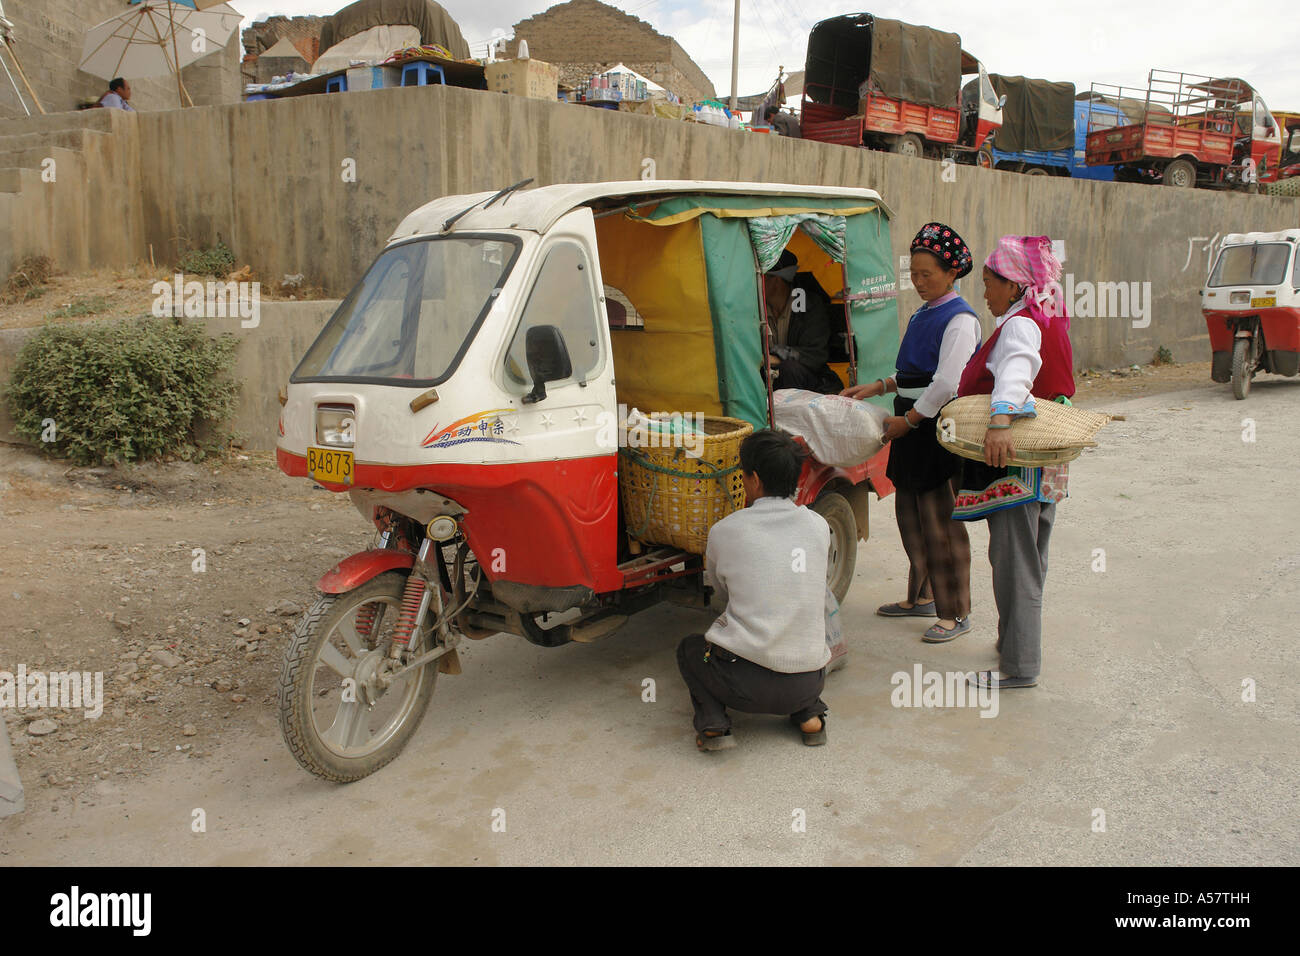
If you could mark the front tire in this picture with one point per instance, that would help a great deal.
(842, 557)
(330, 736)
(1241, 368)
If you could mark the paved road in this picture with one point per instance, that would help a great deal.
(1139, 715)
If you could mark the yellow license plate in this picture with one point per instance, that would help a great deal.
(1267, 302)
(330, 465)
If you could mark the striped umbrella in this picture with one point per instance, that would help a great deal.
(157, 37)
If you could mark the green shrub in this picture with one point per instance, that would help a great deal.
(216, 261)
(79, 307)
(122, 391)
(1163, 357)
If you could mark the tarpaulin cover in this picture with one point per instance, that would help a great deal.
(434, 23)
(1039, 114)
(904, 61)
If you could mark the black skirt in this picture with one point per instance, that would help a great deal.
(917, 462)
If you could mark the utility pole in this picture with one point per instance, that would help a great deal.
(735, 58)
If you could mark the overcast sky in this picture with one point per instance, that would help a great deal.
(1110, 41)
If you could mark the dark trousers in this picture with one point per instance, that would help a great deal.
(938, 549)
(725, 680)
(1018, 539)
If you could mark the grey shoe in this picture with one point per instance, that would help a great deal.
(942, 635)
(896, 610)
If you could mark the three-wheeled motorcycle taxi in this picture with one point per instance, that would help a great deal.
(1251, 304)
(464, 395)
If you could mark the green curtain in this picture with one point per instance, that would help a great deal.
(733, 300)
(873, 294)
(771, 233)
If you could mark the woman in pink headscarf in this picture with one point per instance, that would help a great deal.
(1027, 357)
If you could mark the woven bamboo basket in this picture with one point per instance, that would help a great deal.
(672, 497)
(1058, 434)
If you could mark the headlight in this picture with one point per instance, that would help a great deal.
(442, 528)
(1239, 298)
(336, 425)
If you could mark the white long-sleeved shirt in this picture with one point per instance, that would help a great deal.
(961, 337)
(1015, 358)
(768, 562)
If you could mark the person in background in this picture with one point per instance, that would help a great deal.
(799, 328)
(766, 653)
(119, 92)
(940, 339)
(1027, 357)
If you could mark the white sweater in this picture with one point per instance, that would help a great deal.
(768, 562)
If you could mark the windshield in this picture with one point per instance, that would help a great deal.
(1258, 264)
(413, 314)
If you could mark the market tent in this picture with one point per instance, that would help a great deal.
(650, 84)
(369, 46)
(1039, 114)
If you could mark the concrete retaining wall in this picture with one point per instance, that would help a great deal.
(269, 178)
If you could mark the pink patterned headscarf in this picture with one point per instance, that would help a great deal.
(1028, 261)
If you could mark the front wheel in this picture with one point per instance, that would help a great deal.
(340, 719)
(842, 557)
(1242, 368)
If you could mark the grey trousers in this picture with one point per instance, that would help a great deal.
(1018, 553)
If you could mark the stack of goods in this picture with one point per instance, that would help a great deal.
(715, 114)
(677, 480)
(420, 52)
(1055, 435)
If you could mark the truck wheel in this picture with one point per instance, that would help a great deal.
(984, 157)
(842, 557)
(1180, 173)
(1035, 171)
(1241, 368)
(909, 144)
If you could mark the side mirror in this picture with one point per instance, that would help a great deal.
(1002, 101)
(547, 358)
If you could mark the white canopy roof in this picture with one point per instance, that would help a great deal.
(536, 210)
(650, 84)
(1244, 238)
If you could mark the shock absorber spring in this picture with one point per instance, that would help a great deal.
(412, 601)
(365, 620)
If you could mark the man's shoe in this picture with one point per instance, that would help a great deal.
(897, 610)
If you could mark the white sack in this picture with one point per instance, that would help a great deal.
(840, 431)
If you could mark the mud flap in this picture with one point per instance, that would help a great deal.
(449, 663)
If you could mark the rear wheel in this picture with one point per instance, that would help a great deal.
(909, 144)
(842, 556)
(1242, 368)
(984, 157)
(1035, 171)
(1180, 173)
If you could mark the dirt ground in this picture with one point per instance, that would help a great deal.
(98, 573)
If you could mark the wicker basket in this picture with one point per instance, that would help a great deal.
(1058, 434)
(672, 497)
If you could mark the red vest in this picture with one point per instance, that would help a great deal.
(1056, 377)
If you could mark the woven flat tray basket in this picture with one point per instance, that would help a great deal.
(673, 497)
(1059, 433)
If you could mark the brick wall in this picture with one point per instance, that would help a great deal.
(303, 33)
(583, 37)
(49, 35)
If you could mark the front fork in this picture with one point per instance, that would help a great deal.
(423, 592)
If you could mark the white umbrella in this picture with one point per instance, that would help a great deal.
(157, 37)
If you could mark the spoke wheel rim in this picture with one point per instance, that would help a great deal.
(345, 727)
